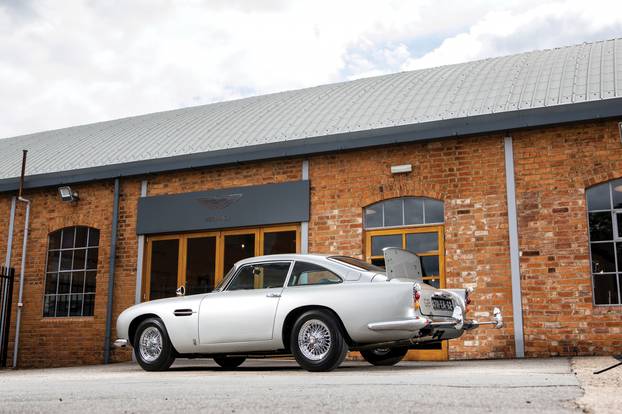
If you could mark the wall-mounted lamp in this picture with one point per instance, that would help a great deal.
(400, 169)
(67, 194)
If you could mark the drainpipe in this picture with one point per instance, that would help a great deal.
(517, 297)
(7, 263)
(304, 226)
(140, 255)
(113, 254)
(20, 303)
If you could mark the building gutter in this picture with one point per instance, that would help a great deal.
(517, 299)
(111, 274)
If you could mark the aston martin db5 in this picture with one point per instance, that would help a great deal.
(314, 307)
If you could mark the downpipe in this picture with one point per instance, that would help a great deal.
(20, 303)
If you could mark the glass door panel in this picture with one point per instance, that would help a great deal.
(380, 242)
(422, 242)
(279, 242)
(427, 243)
(237, 247)
(200, 265)
(163, 275)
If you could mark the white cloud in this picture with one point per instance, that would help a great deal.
(546, 25)
(72, 62)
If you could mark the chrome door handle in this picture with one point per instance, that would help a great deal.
(273, 295)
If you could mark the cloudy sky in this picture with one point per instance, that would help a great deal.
(72, 62)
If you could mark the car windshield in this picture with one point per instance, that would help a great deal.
(225, 279)
(357, 263)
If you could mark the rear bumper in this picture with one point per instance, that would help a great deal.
(456, 322)
(413, 325)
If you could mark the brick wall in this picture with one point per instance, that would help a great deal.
(468, 175)
(553, 168)
(50, 342)
(47, 342)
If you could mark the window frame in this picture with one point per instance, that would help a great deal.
(616, 238)
(291, 272)
(221, 273)
(402, 201)
(266, 262)
(71, 271)
(404, 232)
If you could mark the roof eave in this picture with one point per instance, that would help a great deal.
(478, 124)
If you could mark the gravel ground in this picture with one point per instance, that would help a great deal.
(603, 392)
(277, 386)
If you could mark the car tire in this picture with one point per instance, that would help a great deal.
(317, 341)
(384, 357)
(229, 362)
(152, 346)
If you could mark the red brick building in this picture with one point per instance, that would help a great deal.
(513, 186)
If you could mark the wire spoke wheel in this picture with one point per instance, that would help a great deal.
(314, 339)
(150, 344)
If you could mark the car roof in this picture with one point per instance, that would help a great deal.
(289, 256)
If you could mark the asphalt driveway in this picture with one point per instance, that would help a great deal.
(543, 385)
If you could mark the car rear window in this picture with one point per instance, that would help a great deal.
(357, 263)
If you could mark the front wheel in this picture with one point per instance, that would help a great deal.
(229, 362)
(317, 342)
(152, 346)
(384, 356)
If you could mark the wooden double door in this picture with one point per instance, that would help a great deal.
(199, 261)
(428, 243)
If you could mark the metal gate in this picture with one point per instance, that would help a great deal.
(6, 296)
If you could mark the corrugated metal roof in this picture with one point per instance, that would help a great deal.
(540, 79)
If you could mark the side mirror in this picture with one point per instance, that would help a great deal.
(181, 291)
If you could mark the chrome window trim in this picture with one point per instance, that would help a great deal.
(237, 272)
(291, 270)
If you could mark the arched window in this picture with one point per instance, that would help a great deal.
(604, 204)
(71, 270)
(411, 223)
(405, 211)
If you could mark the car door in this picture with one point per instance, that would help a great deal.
(244, 311)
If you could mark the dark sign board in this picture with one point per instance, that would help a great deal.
(218, 209)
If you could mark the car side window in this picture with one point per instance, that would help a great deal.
(311, 274)
(260, 276)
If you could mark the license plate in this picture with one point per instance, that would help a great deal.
(442, 304)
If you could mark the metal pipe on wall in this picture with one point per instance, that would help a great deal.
(113, 253)
(517, 298)
(304, 226)
(20, 303)
(140, 253)
(7, 263)
(20, 296)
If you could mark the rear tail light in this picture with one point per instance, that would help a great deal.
(416, 295)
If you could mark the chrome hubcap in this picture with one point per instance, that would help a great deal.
(150, 344)
(314, 339)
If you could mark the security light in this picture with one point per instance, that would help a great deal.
(66, 194)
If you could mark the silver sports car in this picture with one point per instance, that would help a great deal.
(314, 307)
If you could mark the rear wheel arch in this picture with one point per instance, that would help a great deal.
(294, 314)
